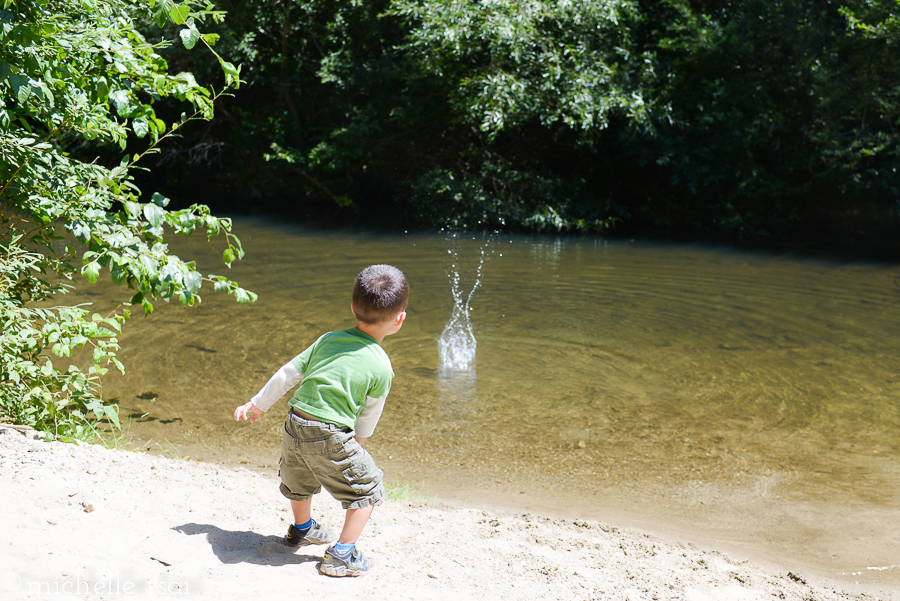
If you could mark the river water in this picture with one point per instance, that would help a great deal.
(741, 399)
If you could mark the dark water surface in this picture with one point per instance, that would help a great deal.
(743, 399)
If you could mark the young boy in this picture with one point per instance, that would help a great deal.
(345, 377)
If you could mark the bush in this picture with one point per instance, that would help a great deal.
(73, 72)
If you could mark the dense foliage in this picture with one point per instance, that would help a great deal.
(719, 118)
(781, 110)
(76, 74)
(713, 117)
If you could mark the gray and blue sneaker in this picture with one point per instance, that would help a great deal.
(351, 563)
(316, 535)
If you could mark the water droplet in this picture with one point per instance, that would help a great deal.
(457, 344)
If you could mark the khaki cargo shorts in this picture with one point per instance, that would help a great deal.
(316, 455)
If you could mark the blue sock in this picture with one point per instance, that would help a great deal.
(342, 548)
(306, 526)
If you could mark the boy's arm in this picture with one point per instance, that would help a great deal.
(284, 379)
(368, 418)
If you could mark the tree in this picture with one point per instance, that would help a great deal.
(725, 119)
(782, 112)
(75, 74)
(481, 112)
(538, 83)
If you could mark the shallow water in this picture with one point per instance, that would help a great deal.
(744, 398)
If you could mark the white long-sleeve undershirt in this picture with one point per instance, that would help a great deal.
(288, 376)
(278, 385)
(368, 417)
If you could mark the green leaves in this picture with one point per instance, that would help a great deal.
(244, 296)
(223, 285)
(232, 73)
(74, 71)
(123, 102)
(511, 62)
(179, 14)
(91, 271)
(154, 214)
(162, 12)
(35, 391)
(21, 86)
(189, 37)
(141, 126)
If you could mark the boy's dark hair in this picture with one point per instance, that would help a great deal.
(379, 294)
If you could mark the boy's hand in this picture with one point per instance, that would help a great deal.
(247, 411)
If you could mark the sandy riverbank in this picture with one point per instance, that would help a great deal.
(83, 522)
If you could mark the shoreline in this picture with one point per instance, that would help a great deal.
(90, 521)
(832, 545)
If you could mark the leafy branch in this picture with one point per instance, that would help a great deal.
(84, 69)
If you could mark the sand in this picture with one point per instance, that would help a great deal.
(85, 522)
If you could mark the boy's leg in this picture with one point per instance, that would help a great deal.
(356, 481)
(313, 534)
(342, 558)
(298, 481)
(354, 523)
(301, 511)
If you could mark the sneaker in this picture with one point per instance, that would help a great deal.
(351, 563)
(316, 535)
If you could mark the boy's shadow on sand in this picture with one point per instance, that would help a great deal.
(248, 547)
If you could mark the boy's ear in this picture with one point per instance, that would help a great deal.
(351, 309)
(401, 317)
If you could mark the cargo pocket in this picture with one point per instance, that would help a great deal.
(364, 477)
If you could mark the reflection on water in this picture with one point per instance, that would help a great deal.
(713, 383)
(457, 394)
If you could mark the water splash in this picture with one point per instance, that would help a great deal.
(456, 346)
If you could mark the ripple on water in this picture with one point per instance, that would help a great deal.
(627, 364)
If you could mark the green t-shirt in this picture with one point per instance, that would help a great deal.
(340, 370)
